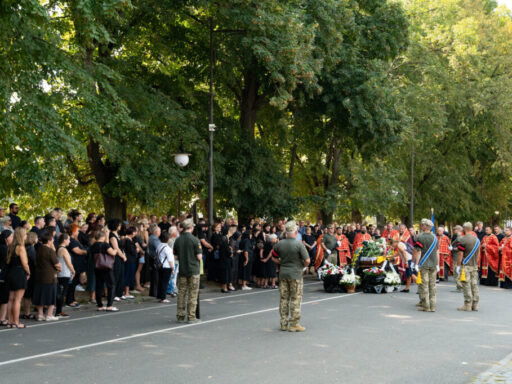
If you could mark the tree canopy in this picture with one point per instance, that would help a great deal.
(318, 105)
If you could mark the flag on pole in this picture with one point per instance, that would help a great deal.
(433, 220)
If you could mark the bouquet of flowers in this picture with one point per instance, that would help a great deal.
(349, 277)
(392, 278)
(374, 271)
(329, 270)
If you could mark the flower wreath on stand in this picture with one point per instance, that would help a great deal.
(349, 279)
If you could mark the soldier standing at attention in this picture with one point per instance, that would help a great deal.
(468, 259)
(188, 250)
(457, 231)
(329, 245)
(292, 257)
(426, 254)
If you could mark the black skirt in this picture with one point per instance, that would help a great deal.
(16, 278)
(44, 294)
(30, 288)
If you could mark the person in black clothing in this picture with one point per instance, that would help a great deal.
(114, 239)
(165, 257)
(57, 214)
(269, 265)
(499, 234)
(32, 239)
(213, 259)
(38, 225)
(226, 261)
(79, 259)
(6, 238)
(83, 236)
(13, 214)
(130, 267)
(309, 242)
(104, 276)
(164, 224)
(245, 260)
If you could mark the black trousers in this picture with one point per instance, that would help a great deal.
(104, 278)
(118, 277)
(62, 289)
(164, 274)
(70, 295)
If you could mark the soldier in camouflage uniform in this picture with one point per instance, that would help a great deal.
(457, 230)
(187, 249)
(329, 242)
(292, 257)
(428, 269)
(469, 246)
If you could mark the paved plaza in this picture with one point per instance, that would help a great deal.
(350, 338)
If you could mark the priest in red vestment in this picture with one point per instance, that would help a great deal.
(360, 237)
(489, 258)
(445, 254)
(343, 247)
(506, 260)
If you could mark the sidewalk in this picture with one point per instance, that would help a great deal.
(500, 373)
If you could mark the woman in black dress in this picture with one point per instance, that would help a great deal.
(5, 239)
(17, 275)
(269, 265)
(226, 261)
(114, 239)
(213, 260)
(30, 243)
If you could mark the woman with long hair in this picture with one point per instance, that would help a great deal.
(65, 275)
(141, 242)
(17, 276)
(5, 239)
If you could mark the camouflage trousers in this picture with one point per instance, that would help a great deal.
(470, 286)
(456, 276)
(427, 288)
(188, 289)
(291, 298)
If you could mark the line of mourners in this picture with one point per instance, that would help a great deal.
(61, 262)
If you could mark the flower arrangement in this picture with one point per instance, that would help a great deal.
(329, 270)
(392, 278)
(374, 271)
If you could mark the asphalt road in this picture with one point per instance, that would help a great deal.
(350, 338)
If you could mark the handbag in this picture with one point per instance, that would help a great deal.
(103, 262)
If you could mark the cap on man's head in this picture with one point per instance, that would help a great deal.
(291, 226)
(187, 224)
(467, 225)
(427, 223)
(2, 209)
(457, 228)
(330, 226)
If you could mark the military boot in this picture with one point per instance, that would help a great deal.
(423, 309)
(474, 307)
(296, 328)
(466, 307)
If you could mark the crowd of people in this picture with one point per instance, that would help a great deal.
(43, 264)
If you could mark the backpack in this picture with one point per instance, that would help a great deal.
(157, 264)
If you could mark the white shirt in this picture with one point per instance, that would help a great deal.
(165, 255)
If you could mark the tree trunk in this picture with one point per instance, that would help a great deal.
(381, 220)
(326, 217)
(356, 216)
(115, 207)
(250, 104)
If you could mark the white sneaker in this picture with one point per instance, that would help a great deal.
(52, 318)
(123, 297)
(79, 288)
(246, 288)
(117, 299)
(129, 297)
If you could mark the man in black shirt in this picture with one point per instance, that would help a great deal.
(164, 224)
(38, 225)
(13, 214)
(499, 234)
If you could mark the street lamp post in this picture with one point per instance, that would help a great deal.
(181, 159)
(211, 130)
